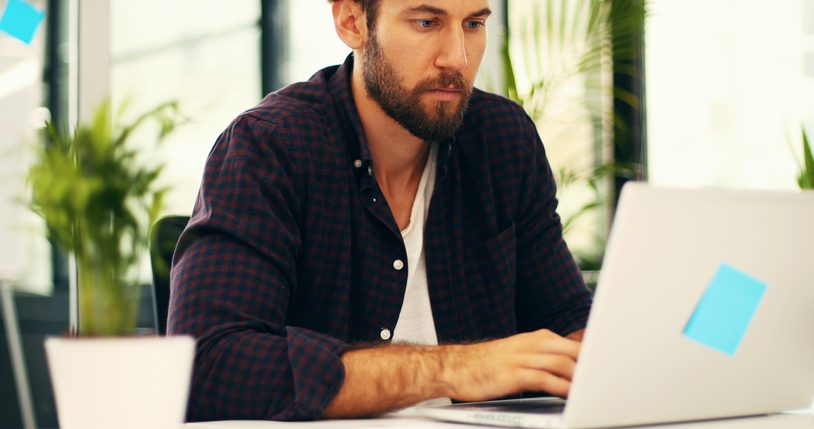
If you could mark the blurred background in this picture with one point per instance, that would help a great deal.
(684, 93)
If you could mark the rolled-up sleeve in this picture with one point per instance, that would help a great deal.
(550, 290)
(233, 273)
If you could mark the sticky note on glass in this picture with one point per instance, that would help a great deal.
(21, 20)
(725, 311)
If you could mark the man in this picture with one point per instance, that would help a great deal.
(349, 224)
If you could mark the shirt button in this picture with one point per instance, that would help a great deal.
(369, 170)
(373, 200)
(357, 163)
(398, 264)
(385, 334)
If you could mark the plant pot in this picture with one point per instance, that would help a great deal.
(138, 382)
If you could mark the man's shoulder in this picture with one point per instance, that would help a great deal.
(488, 110)
(497, 125)
(302, 104)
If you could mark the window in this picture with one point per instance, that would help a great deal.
(561, 59)
(311, 50)
(24, 253)
(728, 87)
(205, 54)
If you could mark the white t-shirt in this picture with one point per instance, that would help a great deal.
(416, 324)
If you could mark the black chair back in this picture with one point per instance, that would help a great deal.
(163, 238)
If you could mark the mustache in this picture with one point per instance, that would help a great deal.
(454, 81)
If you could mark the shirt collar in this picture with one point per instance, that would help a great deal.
(340, 89)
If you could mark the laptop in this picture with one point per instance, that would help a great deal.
(704, 309)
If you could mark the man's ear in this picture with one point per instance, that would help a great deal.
(350, 23)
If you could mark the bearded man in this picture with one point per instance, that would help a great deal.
(380, 235)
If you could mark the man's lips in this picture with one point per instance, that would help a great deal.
(446, 93)
(448, 89)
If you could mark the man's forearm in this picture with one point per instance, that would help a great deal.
(382, 379)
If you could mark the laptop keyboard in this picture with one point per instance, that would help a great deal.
(536, 407)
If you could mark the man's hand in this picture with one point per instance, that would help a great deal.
(386, 378)
(534, 361)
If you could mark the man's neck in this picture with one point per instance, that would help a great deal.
(398, 155)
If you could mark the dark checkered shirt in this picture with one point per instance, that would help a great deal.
(289, 257)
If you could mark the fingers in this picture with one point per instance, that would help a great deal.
(545, 341)
(561, 346)
(548, 363)
(534, 361)
(546, 382)
(561, 366)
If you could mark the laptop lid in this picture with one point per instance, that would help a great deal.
(703, 309)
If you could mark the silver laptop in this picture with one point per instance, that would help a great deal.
(704, 309)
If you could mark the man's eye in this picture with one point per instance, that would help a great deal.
(474, 25)
(425, 23)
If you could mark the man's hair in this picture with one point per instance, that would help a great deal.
(370, 7)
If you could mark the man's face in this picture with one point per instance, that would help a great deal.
(420, 61)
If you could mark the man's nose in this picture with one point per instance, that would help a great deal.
(452, 52)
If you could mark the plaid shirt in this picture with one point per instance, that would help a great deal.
(292, 253)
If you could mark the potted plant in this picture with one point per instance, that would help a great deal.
(98, 199)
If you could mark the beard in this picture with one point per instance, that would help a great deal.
(436, 123)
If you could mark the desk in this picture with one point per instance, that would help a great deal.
(407, 420)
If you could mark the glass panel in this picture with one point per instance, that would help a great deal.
(143, 25)
(214, 81)
(562, 71)
(204, 54)
(24, 252)
(727, 91)
(318, 47)
(25, 255)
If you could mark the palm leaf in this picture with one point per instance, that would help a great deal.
(806, 178)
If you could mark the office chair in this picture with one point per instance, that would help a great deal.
(163, 238)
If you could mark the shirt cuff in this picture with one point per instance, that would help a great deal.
(576, 319)
(317, 370)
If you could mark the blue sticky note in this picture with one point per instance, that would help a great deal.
(21, 20)
(725, 311)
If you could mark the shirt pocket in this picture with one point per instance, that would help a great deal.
(491, 275)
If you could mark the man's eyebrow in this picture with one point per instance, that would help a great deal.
(483, 12)
(436, 11)
(425, 8)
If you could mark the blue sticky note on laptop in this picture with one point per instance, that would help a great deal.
(21, 20)
(725, 311)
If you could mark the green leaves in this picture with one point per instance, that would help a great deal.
(560, 62)
(98, 201)
(806, 177)
(558, 42)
